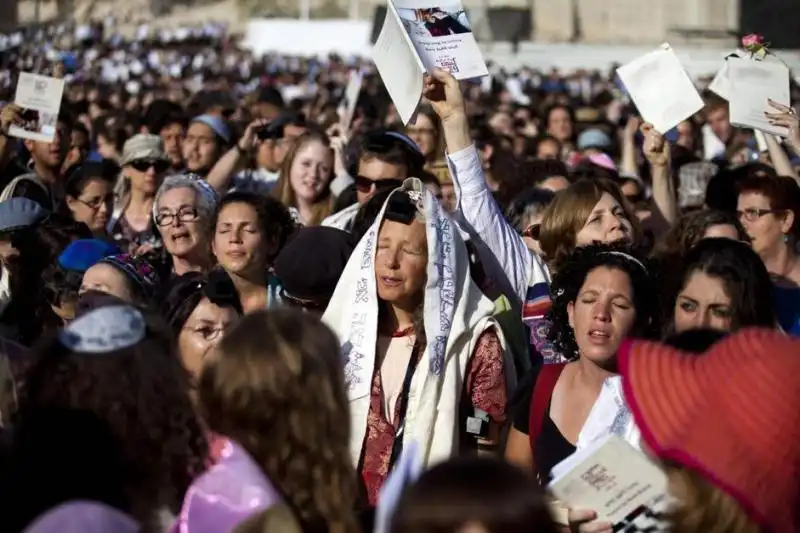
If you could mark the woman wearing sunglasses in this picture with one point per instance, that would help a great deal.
(144, 163)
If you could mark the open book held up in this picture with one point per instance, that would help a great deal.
(616, 481)
(417, 37)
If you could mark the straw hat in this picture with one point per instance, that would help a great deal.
(731, 414)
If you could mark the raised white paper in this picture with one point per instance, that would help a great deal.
(442, 37)
(418, 36)
(753, 83)
(661, 89)
(40, 98)
(347, 107)
(721, 84)
(397, 63)
(617, 482)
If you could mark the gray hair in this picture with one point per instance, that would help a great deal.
(207, 197)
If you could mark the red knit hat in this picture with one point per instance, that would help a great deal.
(732, 415)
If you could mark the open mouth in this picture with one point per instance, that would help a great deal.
(391, 282)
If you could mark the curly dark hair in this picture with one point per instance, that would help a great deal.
(142, 394)
(569, 279)
(274, 218)
(275, 359)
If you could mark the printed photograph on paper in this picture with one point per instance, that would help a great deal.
(40, 98)
(435, 21)
(442, 37)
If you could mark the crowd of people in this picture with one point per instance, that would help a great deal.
(225, 308)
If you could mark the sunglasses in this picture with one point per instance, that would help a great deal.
(143, 165)
(364, 184)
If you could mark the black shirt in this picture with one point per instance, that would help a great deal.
(551, 446)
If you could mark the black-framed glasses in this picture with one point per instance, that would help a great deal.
(751, 214)
(364, 184)
(184, 214)
(143, 165)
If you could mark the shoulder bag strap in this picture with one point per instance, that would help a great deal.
(540, 399)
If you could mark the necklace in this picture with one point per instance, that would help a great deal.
(405, 332)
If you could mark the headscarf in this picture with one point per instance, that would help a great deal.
(138, 270)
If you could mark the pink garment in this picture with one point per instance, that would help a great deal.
(228, 493)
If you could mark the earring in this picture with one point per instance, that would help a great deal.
(785, 238)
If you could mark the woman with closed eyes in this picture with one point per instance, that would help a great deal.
(602, 295)
(249, 231)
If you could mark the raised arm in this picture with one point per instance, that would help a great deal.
(475, 205)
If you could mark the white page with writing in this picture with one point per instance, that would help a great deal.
(40, 97)
(399, 66)
(661, 89)
(616, 481)
(442, 37)
(752, 84)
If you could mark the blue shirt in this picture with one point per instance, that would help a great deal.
(787, 307)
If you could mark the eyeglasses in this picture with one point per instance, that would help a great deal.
(364, 184)
(143, 165)
(184, 214)
(751, 214)
(97, 202)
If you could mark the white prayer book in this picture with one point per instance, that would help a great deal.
(752, 83)
(40, 98)
(661, 89)
(616, 481)
(417, 37)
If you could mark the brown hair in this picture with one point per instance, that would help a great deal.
(483, 491)
(782, 192)
(700, 507)
(439, 150)
(567, 214)
(323, 206)
(276, 386)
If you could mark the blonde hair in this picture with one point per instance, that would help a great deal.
(566, 215)
(276, 386)
(703, 508)
(323, 206)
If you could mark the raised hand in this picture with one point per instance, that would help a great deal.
(655, 148)
(787, 117)
(443, 92)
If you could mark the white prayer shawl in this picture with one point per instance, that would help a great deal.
(609, 415)
(456, 313)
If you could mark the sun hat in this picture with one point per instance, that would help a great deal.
(143, 146)
(730, 414)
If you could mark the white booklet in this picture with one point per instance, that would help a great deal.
(40, 98)
(616, 481)
(661, 88)
(752, 83)
(417, 37)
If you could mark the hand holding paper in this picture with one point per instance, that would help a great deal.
(660, 88)
(655, 147)
(444, 94)
(786, 117)
(753, 84)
